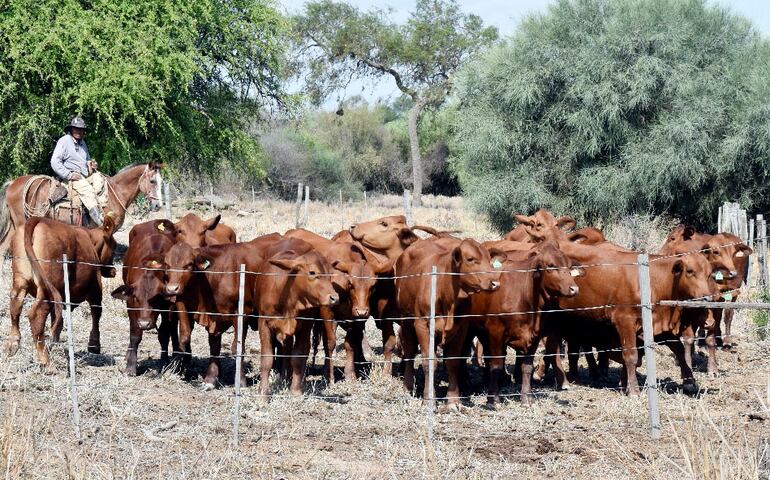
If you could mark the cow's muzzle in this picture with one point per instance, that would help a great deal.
(361, 312)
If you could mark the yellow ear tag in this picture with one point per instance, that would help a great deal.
(497, 264)
(728, 296)
(162, 227)
(154, 264)
(739, 254)
(718, 276)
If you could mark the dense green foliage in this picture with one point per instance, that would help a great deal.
(165, 80)
(606, 107)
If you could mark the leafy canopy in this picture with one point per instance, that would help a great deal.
(601, 108)
(341, 42)
(155, 79)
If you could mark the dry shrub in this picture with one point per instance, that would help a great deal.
(644, 233)
(17, 445)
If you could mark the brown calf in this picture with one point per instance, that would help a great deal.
(37, 269)
(538, 223)
(465, 268)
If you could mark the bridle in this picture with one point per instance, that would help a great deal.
(145, 185)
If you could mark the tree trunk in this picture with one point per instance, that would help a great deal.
(414, 144)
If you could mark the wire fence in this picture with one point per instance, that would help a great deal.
(645, 304)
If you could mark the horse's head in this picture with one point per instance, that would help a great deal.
(151, 185)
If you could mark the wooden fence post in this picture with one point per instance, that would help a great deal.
(239, 354)
(71, 348)
(167, 191)
(651, 384)
(431, 400)
(762, 257)
(408, 207)
(298, 205)
(750, 243)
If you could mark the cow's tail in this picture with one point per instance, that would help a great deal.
(5, 213)
(51, 291)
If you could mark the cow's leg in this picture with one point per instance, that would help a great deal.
(678, 349)
(18, 293)
(428, 356)
(593, 367)
(135, 336)
(265, 361)
(37, 319)
(360, 345)
(711, 345)
(299, 355)
(165, 333)
(453, 349)
(409, 350)
(184, 351)
(527, 361)
(389, 340)
(627, 330)
(215, 349)
(351, 339)
(553, 356)
(573, 356)
(95, 303)
(496, 367)
(234, 350)
(330, 342)
(726, 333)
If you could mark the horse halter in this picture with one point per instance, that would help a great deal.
(145, 184)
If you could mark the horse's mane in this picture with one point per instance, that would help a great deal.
(132, 165)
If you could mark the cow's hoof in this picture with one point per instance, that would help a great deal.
(689, 387)
(206, 386)
(536, 376)
(131, 372)
(564, 386)
(527, 400)
(11, 346)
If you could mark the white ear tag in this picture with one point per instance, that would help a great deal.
(574, 272)
(497, 264)
(728, 296)
(205, 264)
(739, 254)
(718, 276)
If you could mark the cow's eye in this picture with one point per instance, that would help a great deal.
(551, 265)
(690, 271)
(311, 273)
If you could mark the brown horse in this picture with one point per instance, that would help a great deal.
(122, 190)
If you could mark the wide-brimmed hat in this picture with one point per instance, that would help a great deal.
(76, 122)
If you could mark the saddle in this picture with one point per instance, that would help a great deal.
(61, 203)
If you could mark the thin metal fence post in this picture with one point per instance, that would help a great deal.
(71, 348)
(763, 251)
(167, 191)
(239, 354)
(298, 205)
(750, 260)
(253, 195)
(651, 384)
(431, 403)
(366, 205)
(342, 212)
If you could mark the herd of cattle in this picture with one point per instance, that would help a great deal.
(544, 282)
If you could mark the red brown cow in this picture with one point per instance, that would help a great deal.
(509, 316)
(537, 223)
(144, 290)
(37, 269)
(196, 232)
(203, 285)
(292, 280)
(152, 227)
(465, 268)
(355, 288)
(617, 286)
(729, 260)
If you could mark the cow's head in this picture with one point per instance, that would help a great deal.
(310, 278)
(681, 233)
(361, 279)
(146, 294)
(386, 234)
(692, 277)
(192, 229)
(727, 256)
(182, 260)
(538, 225)
(104, 244)
(478, 268)
(556, 272)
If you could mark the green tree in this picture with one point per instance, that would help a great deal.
(605, 107)
(164, 80)
(340, 42)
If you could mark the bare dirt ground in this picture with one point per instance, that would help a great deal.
(159, 425)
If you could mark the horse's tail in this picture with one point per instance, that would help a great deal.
(5, 213)
(51, 290)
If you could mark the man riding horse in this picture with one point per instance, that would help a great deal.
(72, 163)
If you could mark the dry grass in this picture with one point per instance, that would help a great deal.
(160, 425)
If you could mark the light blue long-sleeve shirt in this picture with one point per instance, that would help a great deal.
(70, 157)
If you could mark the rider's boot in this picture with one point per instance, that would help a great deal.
(96, 216)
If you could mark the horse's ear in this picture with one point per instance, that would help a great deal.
(156, 165)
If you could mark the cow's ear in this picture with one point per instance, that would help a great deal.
(123, 292)
(498, 257)
(524, 220)
(202, 262)
(212, 223)
(290, 264)
(108, 224)
(566, 223)
(678, 267)
(688, 232)
(577, 237)
(407, 236)
(155, 262)
(341, 266)
(743, 250)
(457, 256)
(382, 267)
